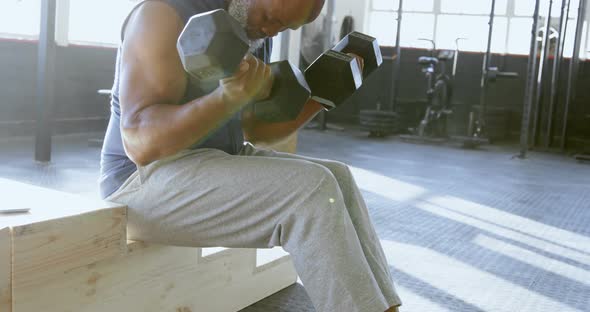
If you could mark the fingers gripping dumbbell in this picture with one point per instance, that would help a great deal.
(364, 46)
(336, 75)
(212, 46)
(289, 93)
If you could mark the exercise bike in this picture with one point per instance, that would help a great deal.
(439, 92)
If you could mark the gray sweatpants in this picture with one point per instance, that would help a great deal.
(262, 199)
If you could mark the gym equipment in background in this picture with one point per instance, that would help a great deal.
(432, 128)
(476, 128)
(438, 92)
(534, 109)
(381, 123)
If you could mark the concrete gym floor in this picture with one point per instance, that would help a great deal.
(463, 230)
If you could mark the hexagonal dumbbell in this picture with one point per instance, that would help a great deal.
(364, 46)
(335, 76)
(212, 46)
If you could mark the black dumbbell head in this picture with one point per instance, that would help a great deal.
(212, 45)
(289, 94)
(333, 78)
(364, 46)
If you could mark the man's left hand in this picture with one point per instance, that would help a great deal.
(360, 61)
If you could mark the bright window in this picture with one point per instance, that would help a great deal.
(474, 29)
(418, 6)
(468, 18)
(409, 5)
(568, 51)
(519, 38)
(415, 26)
(527, 7)
(98, 22)
(473, 6)
(499, 37)
(386, 5)
(383, 26)
(20, 17)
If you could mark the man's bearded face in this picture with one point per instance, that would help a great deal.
(239, 9)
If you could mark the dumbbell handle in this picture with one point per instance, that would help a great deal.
(289, 94)
(322, 76)
(364, 46)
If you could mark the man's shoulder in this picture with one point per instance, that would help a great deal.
(188, 8)
(154, 18)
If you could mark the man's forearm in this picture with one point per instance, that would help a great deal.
(261, 131)
(162, 130)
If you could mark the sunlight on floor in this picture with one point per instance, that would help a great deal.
(387, 187)
(517, 223)
(535, 234)
(413, 302)
(465, 282)
(529, 240)
(534, 259)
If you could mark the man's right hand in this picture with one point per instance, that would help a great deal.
(252, 82)
(153, 85)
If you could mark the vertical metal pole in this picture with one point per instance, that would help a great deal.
(573, 71)
(329, 24)
(578, 44)
(285, 43)
(45, 81)
(542, 65)
(398, 61)
(456, 58)
(323, 115)
(565, 28)
(530, 85)
(555, 75)
(486, 65)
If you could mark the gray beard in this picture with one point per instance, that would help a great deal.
(255, 45)
(238, 9)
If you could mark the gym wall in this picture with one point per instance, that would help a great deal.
(81, 71)
(506, 95)
(412, 85)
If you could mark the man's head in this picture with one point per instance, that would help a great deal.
(266, 18)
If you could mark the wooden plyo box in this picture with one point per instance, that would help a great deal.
(72, 254)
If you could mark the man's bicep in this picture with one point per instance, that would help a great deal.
(151, 70)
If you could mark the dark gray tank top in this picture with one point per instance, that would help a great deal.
(115, 165)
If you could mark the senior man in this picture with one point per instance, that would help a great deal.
(177, 157)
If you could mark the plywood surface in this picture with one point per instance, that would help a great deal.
(5, 270)
(71, 254)
(45, 204)
(43, 251)
(160, 278)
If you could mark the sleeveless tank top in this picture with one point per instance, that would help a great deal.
(115, 165)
